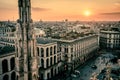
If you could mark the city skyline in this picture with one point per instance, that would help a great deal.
(83, 10)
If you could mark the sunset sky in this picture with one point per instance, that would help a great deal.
(64, 9)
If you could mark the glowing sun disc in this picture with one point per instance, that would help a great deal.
(87, 13)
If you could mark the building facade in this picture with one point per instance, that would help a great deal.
(77, 51)
(49, 59)
(109, 40)
(55, 55)
(7, 62)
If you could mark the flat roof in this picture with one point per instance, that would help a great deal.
(110, 32)
(73, 40)
(44, 41)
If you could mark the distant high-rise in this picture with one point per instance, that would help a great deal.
(26, 58)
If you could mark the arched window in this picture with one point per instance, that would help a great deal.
(58, 69)
(42, 52)
(47, 52)
(5, 66)
(55, 72)
(13, 76)
(41, 76)
(66, 50)
(6, 77)
(54, 49)
(51, 61)
(71, 56)
(52, 72)
(12, 63)
(48, 75)
(17, 77)
(50, 50)
(47, 64)
(38, 51)
(42, 63)
(54, 59)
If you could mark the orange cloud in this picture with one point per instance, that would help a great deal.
(40, 9)
(111, 13)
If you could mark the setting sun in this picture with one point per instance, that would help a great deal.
(87, 13)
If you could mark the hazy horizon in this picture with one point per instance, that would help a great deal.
(58, 10)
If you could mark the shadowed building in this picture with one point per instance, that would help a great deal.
(50, 63)
(110, 39)
(75, 52)
(7, 63)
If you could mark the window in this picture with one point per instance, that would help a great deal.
(51, 61)
(12, 63)
(6, 77)
(48, 75)
(5, 66)
(54, 49)
(60, 48)
(72, 49)
(54, 59)
(41, 76)
(47, 64)
(71, 57)
(42, 63)
(66, 50)
(42, 52)
(17, 77)
(13, 76)
(52, 72)
(47, 52)
(38, 51)
(55, 72)
(50, 50)
(58, 69)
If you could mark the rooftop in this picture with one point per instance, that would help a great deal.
(44, 41)
(73, 40)
(73, 35)
(114, 32)
(6, 49)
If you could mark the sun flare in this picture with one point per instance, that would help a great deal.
(87, 13)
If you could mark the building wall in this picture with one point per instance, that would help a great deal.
(62, 55)
(7, 41)
(78, 51)
(49, 60)
(7, 67)
(110, 40)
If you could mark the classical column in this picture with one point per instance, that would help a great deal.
(69, 53)
(48, 51)
(73, 52)
(62, 50)
(9, 65)
(0, 66)
(45, 62)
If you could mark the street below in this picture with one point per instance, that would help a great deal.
(94, 67)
